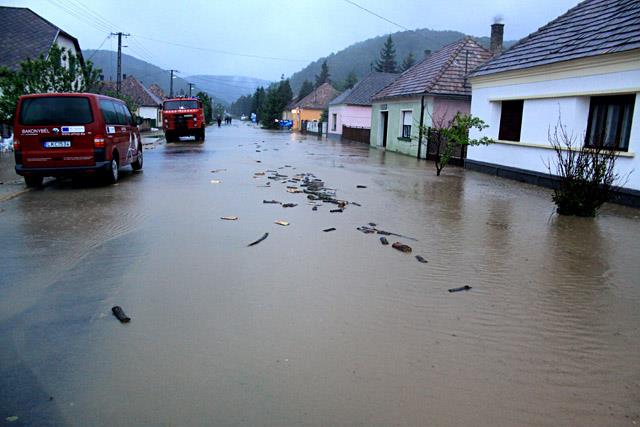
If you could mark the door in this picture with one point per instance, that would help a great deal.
(385, 123)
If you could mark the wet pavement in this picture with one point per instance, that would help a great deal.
(310, 327)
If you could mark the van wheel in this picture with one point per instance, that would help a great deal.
(33, 181)
(137, 165)
(202, 135)
(113, 172)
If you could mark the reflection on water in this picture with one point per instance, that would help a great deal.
(318, 328)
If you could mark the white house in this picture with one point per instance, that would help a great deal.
(582, 68)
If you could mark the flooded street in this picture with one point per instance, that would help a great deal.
(310, 327)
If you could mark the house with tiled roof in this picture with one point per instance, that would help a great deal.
(582, 68)
(310, 108)
(432, 91)
(350, 112)
(149, 104)
(26, 35)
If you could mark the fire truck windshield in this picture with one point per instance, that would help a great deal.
(181, 104)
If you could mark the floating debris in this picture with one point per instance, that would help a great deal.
(119, 313)
(294, 190)
(356, 204)
(229, 218)
(258, 174)
(289, 205)
(11, 419)
(373, 224)
(421, 259)
(460, 289)
(402, 247)
(361, 186)
(283, 223)
(315, 208)
(218, 170)
(272, 202)
(336, 211)
(258, 161)
(264, 236)
(384, 241)
(326, 230)
(215, 181)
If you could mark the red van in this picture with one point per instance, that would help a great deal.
(62, 134)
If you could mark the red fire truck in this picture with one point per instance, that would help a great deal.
(183, 117)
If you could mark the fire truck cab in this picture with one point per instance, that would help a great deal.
(183, 117)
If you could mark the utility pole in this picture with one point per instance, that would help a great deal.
(120, 34)
(171, 83)
(191, 85)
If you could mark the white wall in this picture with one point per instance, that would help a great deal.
(148, 112)
(566, 93)
(349, 115)
(66, 43)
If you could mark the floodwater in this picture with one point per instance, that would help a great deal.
(307, 327)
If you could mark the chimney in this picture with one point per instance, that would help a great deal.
(124, 76)
(497, 34)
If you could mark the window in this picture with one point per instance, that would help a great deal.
(334, 119)
(407, 120)
(511, 120)
(108, 112)
(610, 122)
(55, 110)
(182, 104)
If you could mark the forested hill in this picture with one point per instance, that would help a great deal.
(358, 56)
(223, 89)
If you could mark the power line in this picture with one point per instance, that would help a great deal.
(375, 14)
(96, 51)
(222, 51)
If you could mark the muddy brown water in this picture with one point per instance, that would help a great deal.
(307, 327)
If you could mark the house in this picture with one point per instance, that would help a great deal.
(149, 105)
(431, 92)
(157, 91)
(582, 68)
(350, 112)
(310, 108)
(26, 35)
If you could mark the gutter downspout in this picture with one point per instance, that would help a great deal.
(421, 125)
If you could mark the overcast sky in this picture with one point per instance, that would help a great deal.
(267, 38)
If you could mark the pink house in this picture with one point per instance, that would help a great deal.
(350, 113)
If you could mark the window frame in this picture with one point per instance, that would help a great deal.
(405, 130)
(624, 101)
(506, 115)
(334, 118)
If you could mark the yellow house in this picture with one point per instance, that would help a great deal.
(310, 107)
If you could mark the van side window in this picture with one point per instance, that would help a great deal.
(108, 112)
(122, 119)
(127, 115)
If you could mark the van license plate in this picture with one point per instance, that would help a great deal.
(57, 144)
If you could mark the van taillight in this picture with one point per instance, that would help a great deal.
(16, 144)
(98, 141)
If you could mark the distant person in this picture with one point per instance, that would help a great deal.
(219, 120)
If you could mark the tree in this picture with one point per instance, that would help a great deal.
(257, 102)
(408, 62)
(60, 71)
(350, 81)
(586, 173)
(453, 136)
(277, 97)
(324, 75)
(387, 61)
(305, 89)
(206, 103)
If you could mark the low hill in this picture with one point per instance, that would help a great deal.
(359, 56)
(224, 89)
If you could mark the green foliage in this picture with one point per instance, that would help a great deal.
(408, 62)
(60, 71)
(242, 105)
(305, 89)
(386, 63)
(324, 75)
(277, 97)
(349, 82)
(358, 56)
(207, 106)
(324, 117)
(454, 135)
(586, 175)
(257, 103)
(218, 110)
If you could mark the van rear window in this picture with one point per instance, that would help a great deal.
(55, 110)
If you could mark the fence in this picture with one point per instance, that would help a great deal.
(356, 134)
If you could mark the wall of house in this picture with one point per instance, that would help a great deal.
(550, 93)
(305, 114)
(152, 113)
(66, 43)
(349, 115)
(395, 142)
(444, 109)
